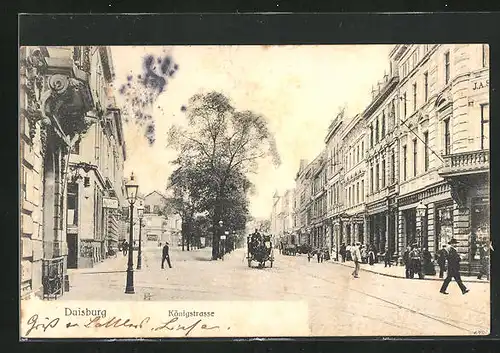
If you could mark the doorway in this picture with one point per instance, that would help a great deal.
(72, 241)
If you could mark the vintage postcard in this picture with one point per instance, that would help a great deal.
(254, 191)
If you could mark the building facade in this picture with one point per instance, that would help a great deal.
(57, 108)
(95, 194)
(444, 146)
(160, 227)
(413, 167)
(382, 121)
(354, 181)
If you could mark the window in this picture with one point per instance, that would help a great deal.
(147, 209)
(485, 126)
(72, 204)
(156, 209)
(383, 173)
(404, 105)
(447, 141)
(405, 160)
(377, 175)
(76, 148)
(393, 167)
(414, 96)
(376, 131)
(357, 192)
(485, 55)
(446, 68)
(383, 124)
(426, 86)
(415, 157)
(426, 151)
(357, 154)
(371, 180)
(362, 190)
(362, 149)
(371, 135)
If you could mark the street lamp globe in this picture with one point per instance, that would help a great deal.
(140, 212)
(131, 188)
(421, 210)
(221, 223)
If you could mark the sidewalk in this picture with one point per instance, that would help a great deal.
(399, 272)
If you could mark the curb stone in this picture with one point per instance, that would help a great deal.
(471, 280)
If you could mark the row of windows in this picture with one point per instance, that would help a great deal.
(355, 193)
(379, 128)
(356, 154)
(378, 178)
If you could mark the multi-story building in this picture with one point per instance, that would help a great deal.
(302, 210)
(57, 108)
(95, 193)
(335, 189)
(444, 146)
(354, 180)
(319, 199)
(160, 227)
(381, 118)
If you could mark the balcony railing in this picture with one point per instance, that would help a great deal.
(466, 163)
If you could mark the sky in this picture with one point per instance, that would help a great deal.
(299, 89)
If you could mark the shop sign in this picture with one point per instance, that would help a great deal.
(480, 84)
(110, 203)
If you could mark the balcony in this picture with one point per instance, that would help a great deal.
(464, 163)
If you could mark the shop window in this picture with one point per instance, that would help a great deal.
(485, 126)
(444, 225)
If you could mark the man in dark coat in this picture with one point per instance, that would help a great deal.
(453, 259)
(416, 262)
(441, 260)
(165, 256)
(484, 254)
(406, 261)
(343, 252)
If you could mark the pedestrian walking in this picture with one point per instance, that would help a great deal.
(371, 256)
(165, 256)
(356, 257)
(343, 252)
(416, 262)
(484, 254)
(441, 260)
(364, 254)
(125, 247)
(406, 261)
(428, 265)
(453, 260)
(387, 258)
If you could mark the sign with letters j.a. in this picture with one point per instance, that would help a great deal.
(480, 84)
(110, 203)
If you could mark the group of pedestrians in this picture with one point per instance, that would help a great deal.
(367, 254)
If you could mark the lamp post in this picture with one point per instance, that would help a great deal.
(131, 189)
(221, 223)
(140, 214)
(421, 212)
(234, 240)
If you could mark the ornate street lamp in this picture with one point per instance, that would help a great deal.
(421, 212)
(131, 188)
(140, 214)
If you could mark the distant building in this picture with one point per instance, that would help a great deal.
(160, 227)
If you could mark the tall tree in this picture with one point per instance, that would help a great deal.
(228, 141)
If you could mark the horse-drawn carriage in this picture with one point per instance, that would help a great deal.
(289, 249)
(260, 249)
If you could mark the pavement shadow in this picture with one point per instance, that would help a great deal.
(203, 258)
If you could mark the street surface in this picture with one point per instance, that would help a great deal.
(339, 305)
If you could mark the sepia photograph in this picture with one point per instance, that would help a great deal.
(254, 190)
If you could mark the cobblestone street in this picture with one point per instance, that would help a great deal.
(338, 304)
